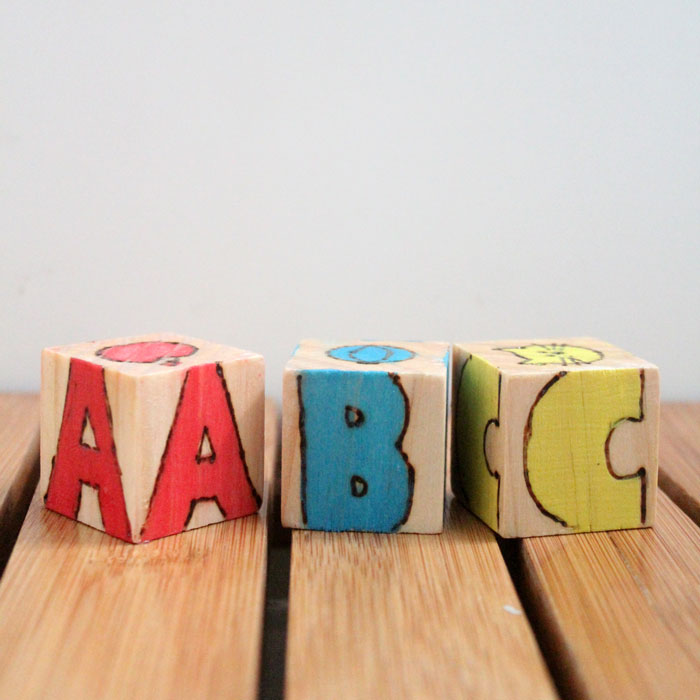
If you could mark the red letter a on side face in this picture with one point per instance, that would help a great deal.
(76, 463)
(186, 476)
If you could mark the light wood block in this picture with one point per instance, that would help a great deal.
(19, 457)
(619, 611)
(363, 437)
(148, 436)
(85, 615)
(555, 437)
(679, 456)
(417, 616)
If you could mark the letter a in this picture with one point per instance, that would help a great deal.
(78, 463)
(186, 477)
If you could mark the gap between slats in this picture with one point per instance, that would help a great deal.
(19, 465)
(274, 642)
(679, 456)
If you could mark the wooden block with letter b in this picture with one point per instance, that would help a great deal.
(148, 436)
(555, 436)
(363, 437)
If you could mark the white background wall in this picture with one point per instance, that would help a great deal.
(259, 172)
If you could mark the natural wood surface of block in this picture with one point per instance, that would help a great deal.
(363, 437)
(619, 610)
(555, 437)
(417, 616)
(85, 615)
(679, 456)
(19, 457)
(148, 436)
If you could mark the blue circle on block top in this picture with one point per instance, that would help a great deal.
(371, 354)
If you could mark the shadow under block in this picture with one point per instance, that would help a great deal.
(148, 436)
(364, 436)
(555, 437)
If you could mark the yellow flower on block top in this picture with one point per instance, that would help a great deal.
(555, 354)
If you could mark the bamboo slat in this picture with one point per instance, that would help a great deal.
(618, 611)
(679, 455)
(408, 616)
(19, 463)
(84, 615)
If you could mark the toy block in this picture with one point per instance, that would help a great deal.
(555, 436)
(364, 436)
(148, 436)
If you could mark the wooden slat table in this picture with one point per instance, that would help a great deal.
(621, 610)
(84, 615)
(604, 615)
(408, 616)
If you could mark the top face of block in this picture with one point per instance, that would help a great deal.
(430, 358)
(151, 354)
(544, 356)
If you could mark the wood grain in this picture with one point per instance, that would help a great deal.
(19, 463)
(679, 456)
(85, 615)
(408, 616)
(619, 611)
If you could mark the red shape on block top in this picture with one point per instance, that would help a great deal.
(76, 464)
(148, 351)
(185, 478)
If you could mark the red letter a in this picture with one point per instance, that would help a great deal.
(76, 463)
(185, 477)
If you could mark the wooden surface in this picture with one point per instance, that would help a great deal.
(408, 616)
(19, 463)
(616, 614)
(621, 610)
(679, 456)
(85, 615)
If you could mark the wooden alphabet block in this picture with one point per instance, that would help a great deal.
(363, 437)
(555, 436)
(146, 437)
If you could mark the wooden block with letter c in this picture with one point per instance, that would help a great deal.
(555, 436)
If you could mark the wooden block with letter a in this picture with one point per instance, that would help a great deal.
(148, 436)
(363, 437)
(555, 436)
